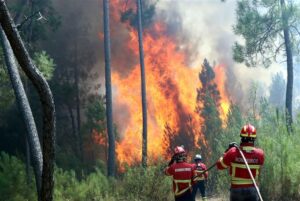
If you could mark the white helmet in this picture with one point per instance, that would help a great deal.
(198, 157)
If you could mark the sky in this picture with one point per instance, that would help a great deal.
(209, 24)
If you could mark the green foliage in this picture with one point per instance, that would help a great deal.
(95, 114)
(229, 134)
(13, 186)
(44, 63)
(208, 100)
(146, 184)
(136, 184)
(260, 23)
(279, 178)
(36, 20)
(94, 187)
(6, 92)
(148, 11)
(281, 158)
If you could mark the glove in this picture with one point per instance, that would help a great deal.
(231, 144)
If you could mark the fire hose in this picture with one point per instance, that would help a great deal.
(208, 169)
(249, 170)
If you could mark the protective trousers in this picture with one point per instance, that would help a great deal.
(243, 194)
(201, 186)
(187, 196)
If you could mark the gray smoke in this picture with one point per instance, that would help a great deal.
(207, 25)
(201, 28)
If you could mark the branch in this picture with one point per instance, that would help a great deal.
(24, 106)
(277, 51)
(19, 26)
(45, 96)
(296, 29)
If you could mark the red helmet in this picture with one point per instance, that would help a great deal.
(179, 150)
(248, 131)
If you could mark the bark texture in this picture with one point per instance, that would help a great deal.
(108, 94)
(290, 73)
(24, 106)
(143, 84)
(45, 96)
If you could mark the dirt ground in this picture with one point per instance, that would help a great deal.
(214, 198)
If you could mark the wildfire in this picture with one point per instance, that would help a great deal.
(220, 80)
(171, 95)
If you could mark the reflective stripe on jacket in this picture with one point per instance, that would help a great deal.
(182, 173)
(199, 168)
(233, 160)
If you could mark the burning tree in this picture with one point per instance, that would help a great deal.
(208, 107)
(208, 102)
(108, 94)
(171, 88)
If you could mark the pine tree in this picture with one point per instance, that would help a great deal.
(208, 102)
(143, 83)
(108, 94)
(270, 31)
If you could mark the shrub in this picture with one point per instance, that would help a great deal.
(13, 185)
(280, 177)
(146, 184)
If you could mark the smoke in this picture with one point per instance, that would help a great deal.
(198, 30)
(201, 28)
(206, 31)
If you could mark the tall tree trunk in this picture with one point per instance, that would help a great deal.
(290, 75)
(74, 130)
(78, 136)
(108, 95)
(28, 162)
(31, 135)
(46, 99)
(143, 84)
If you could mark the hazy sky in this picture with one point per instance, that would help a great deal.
(208, 24)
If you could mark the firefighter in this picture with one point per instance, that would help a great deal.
(182, 173)
(242, 187)
(200, 179)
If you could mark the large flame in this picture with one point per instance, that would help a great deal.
(220, 80)
(171, 94)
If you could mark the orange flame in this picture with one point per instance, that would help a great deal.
(220, 80)
(171, 90)
(171, 94)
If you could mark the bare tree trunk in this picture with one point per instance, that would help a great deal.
(25, 109)
(46, 99)
(290, 75)
(108, 95)
(74, 130)
(28, 161)
(143, 84)
(78, 130)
